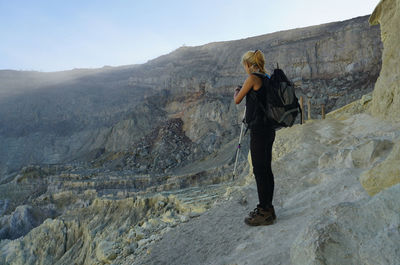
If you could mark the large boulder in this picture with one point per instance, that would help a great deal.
(384, 175)
(366, 232)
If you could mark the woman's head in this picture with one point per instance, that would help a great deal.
(254, 60)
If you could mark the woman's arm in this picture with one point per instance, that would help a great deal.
(251, 82)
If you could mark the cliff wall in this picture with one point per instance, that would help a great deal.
(88, 114)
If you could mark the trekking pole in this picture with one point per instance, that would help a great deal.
(239, 145)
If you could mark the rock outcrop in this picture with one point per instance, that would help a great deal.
(365, 232)
(386, 96)
(21, 221)
(104, 230)
(383, 175)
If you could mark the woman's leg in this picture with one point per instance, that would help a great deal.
(261, 142)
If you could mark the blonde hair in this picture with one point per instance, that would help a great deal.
(255, 59)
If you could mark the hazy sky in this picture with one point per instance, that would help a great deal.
(57, 35)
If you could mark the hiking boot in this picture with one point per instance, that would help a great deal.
(254, 212)
(260, 216)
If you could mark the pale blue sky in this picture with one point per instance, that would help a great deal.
(53, 35)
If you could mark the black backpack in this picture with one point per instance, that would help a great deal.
(281, 104)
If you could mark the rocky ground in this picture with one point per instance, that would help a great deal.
(318, 200)
(320, 203)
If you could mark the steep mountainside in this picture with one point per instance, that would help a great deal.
(94, 115)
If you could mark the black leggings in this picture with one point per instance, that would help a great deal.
(261, 141)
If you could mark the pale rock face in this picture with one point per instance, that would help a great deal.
(21, 221)
(367, 153)
(48, 242)
(356, 107)
(386, 96)
(385, 174)
(106, 251)
(96, 234)
(365, 232)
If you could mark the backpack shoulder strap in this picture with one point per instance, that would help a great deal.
(261, 75)
(264, 77)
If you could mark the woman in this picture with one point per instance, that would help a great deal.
(262, 136)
